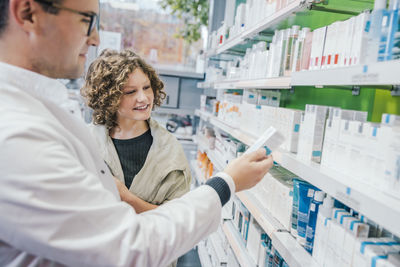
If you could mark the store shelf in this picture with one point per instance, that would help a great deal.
(270, 83)
(380, 73)
(262, 216)
(230, 43)
(237, 245)
(240, 135)
(203, 255)
(204, 115)
(284, 13)
(203, 147)
(291, 251)
(203, 85)
(219, 251)
(197, 172)
(369, 201)
(226, 84)
(177, 111)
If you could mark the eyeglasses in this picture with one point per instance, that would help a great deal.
(93, 17)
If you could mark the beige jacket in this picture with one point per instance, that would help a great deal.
(165, 174)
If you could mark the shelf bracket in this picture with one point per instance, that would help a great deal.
(395, 90)
(355, 90)
(332, 10)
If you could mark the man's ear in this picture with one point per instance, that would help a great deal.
(23, 13)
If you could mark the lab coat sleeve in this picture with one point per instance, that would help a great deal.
(52, 207)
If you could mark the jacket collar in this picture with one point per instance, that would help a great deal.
(37, 85)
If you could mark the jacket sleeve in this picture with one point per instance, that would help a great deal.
(51, 206)
(178, 184)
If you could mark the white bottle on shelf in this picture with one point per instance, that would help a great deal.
(322, 229)
(374, 31)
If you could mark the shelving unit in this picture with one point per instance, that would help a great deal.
(205, 85)
(199, 176)
(237, 245)
(262, 216)
(269, 224)
(377, 74)
(294, 254)
(369, 201)
(380, 73)
(203, 255)
(374, 204)
(270, 83)
(220, 253)
(284, 13)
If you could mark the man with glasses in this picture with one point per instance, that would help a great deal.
(58, 202)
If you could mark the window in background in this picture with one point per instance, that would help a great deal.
(149, 30)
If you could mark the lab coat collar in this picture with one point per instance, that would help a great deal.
(35, 84)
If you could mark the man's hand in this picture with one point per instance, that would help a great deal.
(249, 169)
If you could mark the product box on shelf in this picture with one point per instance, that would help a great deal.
(312, 133)
(255, 237)
(391, 173)
(317, 49)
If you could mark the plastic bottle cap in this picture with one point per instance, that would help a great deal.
(319, 196)
(379, 4)
(328, 202)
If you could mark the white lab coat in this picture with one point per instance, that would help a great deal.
(58, 202)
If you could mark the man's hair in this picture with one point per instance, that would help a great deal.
(4, 6)
(3, 14)
(106, 78)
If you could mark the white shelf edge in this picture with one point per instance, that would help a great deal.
(369, 201)
(282, 14)
(373, 74)
(265, 23)
(203, 114)
(203, 255)
(225, 84)
(243, 137)
(203, 85)
(219, 251)
(291, 251)
(230, 43)
(266, 220)
(237, 245)
(267, 83)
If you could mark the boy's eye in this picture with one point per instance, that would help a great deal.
(146, 87)
(86, 21)
(130, 92)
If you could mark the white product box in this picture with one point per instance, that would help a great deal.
(250, 96)
(282, 201)
(354, 229)
(254, 239)
(391, 146)
(348, 36)
(317, 49)
(343, 146)
(332, 130)
(390, 119)
(358, 47)
(312, 133)
(356, 150)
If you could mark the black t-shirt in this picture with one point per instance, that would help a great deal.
(132, 154)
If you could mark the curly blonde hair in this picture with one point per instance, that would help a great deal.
(106, 78)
